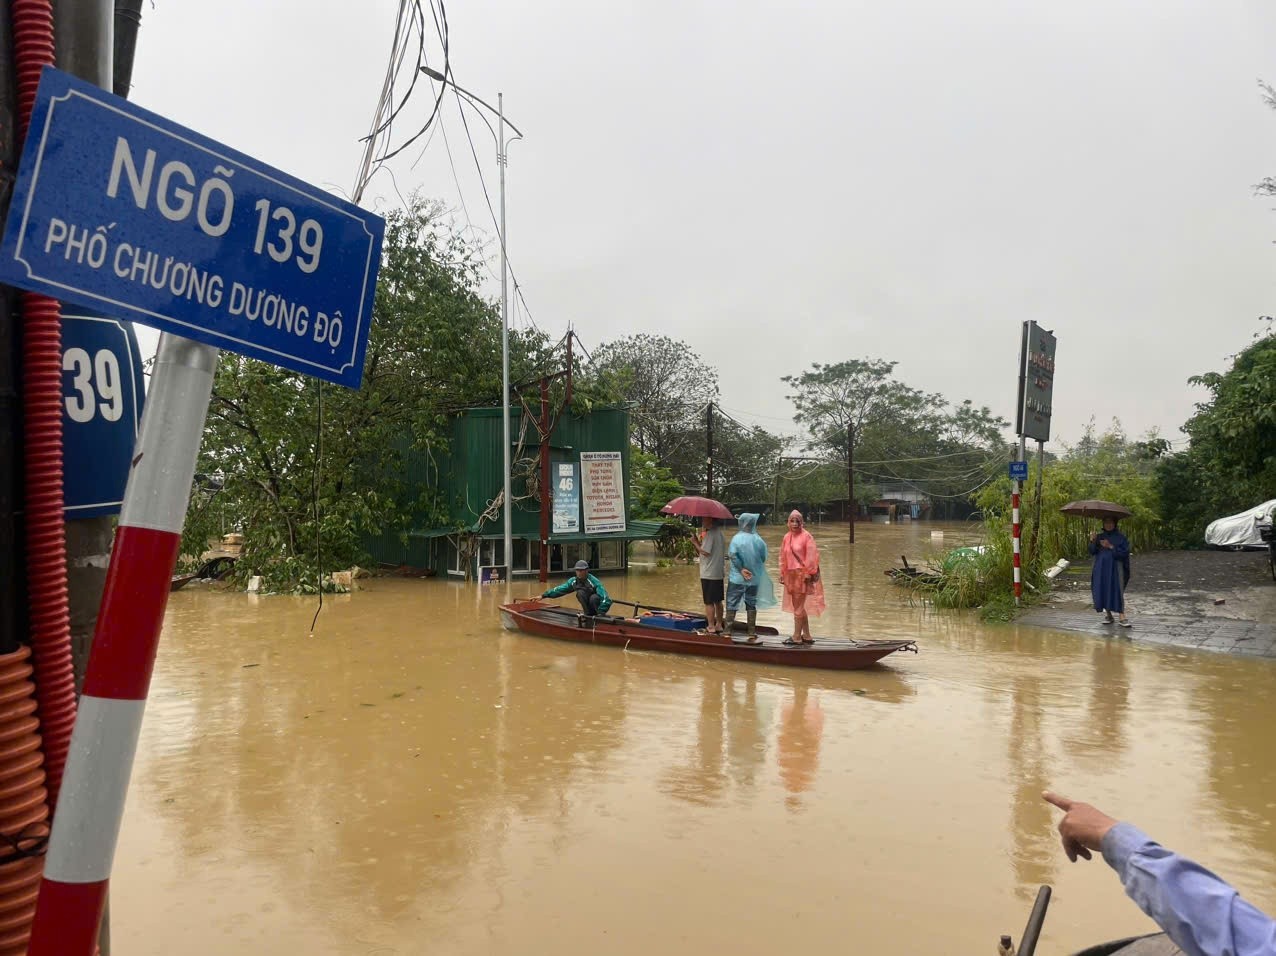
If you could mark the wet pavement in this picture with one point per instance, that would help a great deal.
(412, 779)
(1217, 601)
(1246, 638)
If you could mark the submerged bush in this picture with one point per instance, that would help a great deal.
(979, 578)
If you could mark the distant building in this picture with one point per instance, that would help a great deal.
(899, 502)
(589, 474)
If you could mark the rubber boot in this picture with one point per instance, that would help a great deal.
(752, 615)
(728, 621)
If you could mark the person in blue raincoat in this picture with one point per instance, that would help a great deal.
(748, 580)
(1111, 571)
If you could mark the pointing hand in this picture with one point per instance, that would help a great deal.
(1083, 827)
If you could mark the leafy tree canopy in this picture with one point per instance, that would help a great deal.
(298, 484)
(667, 387)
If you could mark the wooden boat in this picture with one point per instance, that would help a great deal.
(909, 575)
(662, 629)
(213, 570)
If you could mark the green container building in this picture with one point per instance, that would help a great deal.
(469, 476)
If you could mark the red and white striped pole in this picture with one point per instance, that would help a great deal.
(1014, 532)
(91, 805)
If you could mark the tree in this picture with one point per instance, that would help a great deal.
(744, 458)
(306, 470)
(1110, 466)
(667, 387)
(840, 403)
(948, 454)
(1231, 462)
(651, 486)
(1268, 186)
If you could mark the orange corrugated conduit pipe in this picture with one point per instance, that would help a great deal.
(24, 811)
(36, 716)
(42, 442)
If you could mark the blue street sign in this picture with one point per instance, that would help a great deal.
(102, 395)
(1019, 470)
(118, 209)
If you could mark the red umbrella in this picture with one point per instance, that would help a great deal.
(693, 506)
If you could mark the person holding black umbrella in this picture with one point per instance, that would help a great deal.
(1111, 571)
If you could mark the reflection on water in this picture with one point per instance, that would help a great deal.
(413, 779)
(801, 725)
(1030, 821)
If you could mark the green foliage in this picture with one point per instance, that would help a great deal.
(984, 580)
(303, 494)
(674, 541)
(744, 459)
(667, 387)
(1107, 466)
(651, 485)
(816, 483)
(1110, 467)
(836, 401)
(899, 437)
(1231, 463)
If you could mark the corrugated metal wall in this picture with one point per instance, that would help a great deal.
(474, 473)
(469, 474)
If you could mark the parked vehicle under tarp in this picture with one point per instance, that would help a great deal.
(1240, 531)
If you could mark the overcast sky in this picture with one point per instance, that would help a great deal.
(778, 185)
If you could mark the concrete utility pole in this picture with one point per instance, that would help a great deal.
(505, 349)
(850, 476)
(547, 490)
(128, 19)
(84, 34)
(502, 147)
(547, 485)
(708, 411)
(1034, 555)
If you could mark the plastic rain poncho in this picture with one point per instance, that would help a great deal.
(748, 550)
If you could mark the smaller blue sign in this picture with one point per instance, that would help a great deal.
(102, 396)
(566, 498)
(1019, 470)
(118, 209)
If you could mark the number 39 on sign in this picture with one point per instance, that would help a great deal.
(102, 394)
(95, 385)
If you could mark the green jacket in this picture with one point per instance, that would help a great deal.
(590, 582)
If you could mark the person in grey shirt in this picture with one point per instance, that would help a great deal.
(1203, 915)
(712, 547)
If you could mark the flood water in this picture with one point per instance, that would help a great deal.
(411, 779)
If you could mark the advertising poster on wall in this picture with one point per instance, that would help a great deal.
(566, 499)
(602, 491)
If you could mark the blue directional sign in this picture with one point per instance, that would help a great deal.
(1019, 470)
(102, 395)
(118, 209)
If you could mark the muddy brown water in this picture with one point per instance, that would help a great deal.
(411, 779)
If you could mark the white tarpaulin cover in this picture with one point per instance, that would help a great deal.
(1240, 531)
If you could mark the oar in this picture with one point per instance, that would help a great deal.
(1028, 945)
(649, 607)
(626, 603)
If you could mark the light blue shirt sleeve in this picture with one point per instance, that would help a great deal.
(1198, 911)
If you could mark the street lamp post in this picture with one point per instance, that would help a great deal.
(501, 144)
(505, 351)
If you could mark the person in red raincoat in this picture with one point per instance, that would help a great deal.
(800, 574)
